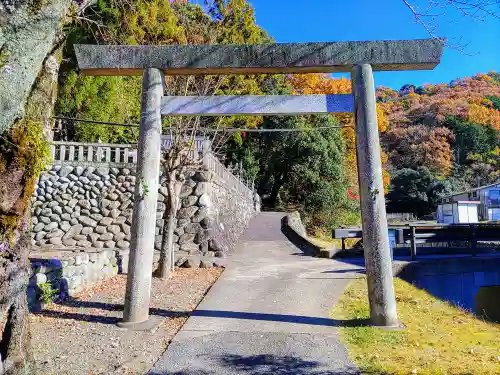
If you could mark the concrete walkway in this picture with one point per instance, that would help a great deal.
(267, 314)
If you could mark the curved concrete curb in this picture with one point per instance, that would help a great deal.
(293, 228)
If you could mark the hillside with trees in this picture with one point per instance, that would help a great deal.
(441, 138)
(435, 138)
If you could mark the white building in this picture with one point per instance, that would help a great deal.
(458, 212)
(486, 199)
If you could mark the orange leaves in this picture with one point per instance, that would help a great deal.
(418, 145)
(432, 104)
(484, 115)
(383, 121)
(319, 83)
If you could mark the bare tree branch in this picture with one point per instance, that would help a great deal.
(429, 14)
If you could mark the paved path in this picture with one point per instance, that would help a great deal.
(267, 314)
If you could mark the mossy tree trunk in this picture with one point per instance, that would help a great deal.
(15, 345)
(24, 152)
(29, 31)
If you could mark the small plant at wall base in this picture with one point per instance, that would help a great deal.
(47, 293)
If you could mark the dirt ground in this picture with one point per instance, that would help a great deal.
(80, 336)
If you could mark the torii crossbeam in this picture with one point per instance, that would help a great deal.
(358, 58)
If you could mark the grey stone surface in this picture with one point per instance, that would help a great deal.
(55, 233)
(84, 243)
(185, 191)
(201, 188)
(106, 237)
(202, 237)
(87, 230)
(227, 105)
(202, 176)
(100, 229)
(110, 244)
(265, 58)
(49, 227)
(123, 244)
(38, 227)
(115, 229)
(201, 214)
(114, 213)
(190, 247)
(204, 200)
(206, 263)
(375, 233)
(192, 262)
(148, 164)
(225, 208)
(186, 238)
(186, 213)
(70, 242)
(189, 201)
(192, 228)
(106, 221)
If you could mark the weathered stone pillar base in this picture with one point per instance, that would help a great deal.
(375, 233)
(150, 325)
(140, 265)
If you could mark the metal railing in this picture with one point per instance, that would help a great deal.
(401, 216)
(434, 238)
(241, 186)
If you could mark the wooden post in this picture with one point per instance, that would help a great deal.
(413, 247)
(473, 239)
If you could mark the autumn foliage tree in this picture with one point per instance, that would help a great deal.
(319, 83)
(418, 145)
(452, 130)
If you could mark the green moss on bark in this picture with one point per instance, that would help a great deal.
(24, 153)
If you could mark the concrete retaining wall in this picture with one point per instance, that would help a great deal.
(457, 280)
(67, 274)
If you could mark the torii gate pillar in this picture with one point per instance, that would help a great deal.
(375, 232)
(137, 295)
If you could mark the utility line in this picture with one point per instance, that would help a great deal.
(226, 130)
(95, 122)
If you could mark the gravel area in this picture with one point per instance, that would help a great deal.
(79, 336)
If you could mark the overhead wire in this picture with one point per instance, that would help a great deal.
(214, 130)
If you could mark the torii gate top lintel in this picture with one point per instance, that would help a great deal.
(327, 57)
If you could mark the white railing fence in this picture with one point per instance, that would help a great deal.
(75, 153)
(125, 155)
(236, 183)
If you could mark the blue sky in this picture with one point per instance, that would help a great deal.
(337, 20)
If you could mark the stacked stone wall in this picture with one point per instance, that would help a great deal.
(86, 207)
(90, 207)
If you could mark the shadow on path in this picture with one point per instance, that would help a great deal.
(265, 364)
(296, 319)
(86, 317)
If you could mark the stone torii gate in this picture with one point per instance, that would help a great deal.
(358, 58)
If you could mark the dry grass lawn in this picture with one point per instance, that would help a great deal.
(439, 338)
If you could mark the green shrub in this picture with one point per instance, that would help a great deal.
(47, 293)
